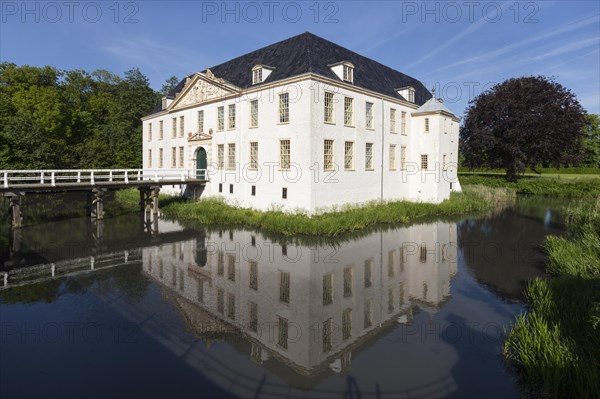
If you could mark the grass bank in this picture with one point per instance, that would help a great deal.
(542, 171)
(344, 220)
(588, 186)
(556, 344)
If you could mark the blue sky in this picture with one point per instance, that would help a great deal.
(460, 47)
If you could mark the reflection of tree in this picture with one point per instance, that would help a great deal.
(47, 292)
(504, 250)
(124, 279)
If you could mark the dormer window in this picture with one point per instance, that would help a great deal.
(408, 93)
(348, 73)
(260, 73)
(344, 70)
(257, 76)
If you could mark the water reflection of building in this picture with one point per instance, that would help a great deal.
(307, 307)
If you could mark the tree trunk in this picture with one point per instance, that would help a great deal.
(511, 173)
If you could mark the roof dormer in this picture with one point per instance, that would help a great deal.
(344, 70)
(408, 93)
(260, 73)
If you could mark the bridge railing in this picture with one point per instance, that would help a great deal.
(54, 177)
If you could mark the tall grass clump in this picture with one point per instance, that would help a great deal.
(556, 343)
(341, 220)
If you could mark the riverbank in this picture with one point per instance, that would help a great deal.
(556, 344)
(348, 219)
(571, 187)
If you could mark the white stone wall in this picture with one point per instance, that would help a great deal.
(309, 187)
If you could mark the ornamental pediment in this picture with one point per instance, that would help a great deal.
(200, 136)
(203, 87)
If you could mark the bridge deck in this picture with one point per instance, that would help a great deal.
(73, 180)
(33, 188)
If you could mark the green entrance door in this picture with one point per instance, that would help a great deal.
(201, 164)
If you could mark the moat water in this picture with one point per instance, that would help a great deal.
(125, 308)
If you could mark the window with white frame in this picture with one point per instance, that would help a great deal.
(253, 156)
(174, 157)
(328, 155)
(149, 131)
(160, 130)
(254, 113)
(149, 158)
(369, 116)
(329, 111)
(403, 157)
(348, 73)
(282, 339)
(426, 125)
(368, 321)
(200, 121)
(220, 156)
(403, 123)
(220, 118)
(392, 120)
(181, 126)
(328, 289)
(181, 156)
(257, 76)
(348, 111)
(284, 154)
(253, 283)
(174, 128)
(284, 108)
(284, 286)
(392, 156)
(231, 156)
(327, 335)
(160, 158)
(411, 95)
(231, 116)
(347, 323)
(348, 281)
(424, 163)
(368, 273)
(253, 324)
(349, 155)
(369, 156)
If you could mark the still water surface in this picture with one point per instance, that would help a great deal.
(127, 309)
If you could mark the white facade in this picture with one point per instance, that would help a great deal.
(311, 185)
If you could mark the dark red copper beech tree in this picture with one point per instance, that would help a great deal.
(523, 122)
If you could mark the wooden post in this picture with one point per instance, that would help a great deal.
(14, 209)
(155, 191)
(142, 199)
(155, 225)
(15, 242)
(98, 204)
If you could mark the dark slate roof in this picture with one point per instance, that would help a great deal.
(310, 53)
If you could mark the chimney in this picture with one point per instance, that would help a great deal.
(166, 101)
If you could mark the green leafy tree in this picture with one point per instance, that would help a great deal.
(71, 119)
(523, 122)
(169, 85)
(591, 141)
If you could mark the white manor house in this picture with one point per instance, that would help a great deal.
(304, 125)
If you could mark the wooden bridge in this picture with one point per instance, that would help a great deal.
(14, 184)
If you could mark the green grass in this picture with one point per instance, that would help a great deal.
(345, 220)
(543, 171)
(572, 187)
(556, 343)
